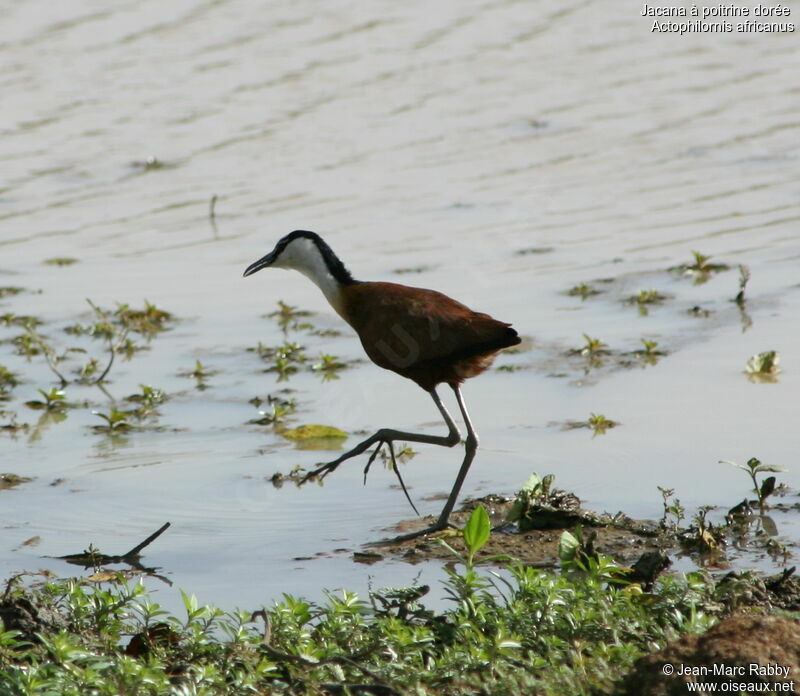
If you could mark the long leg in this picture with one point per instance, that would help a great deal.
(388, 435)
(471, 447)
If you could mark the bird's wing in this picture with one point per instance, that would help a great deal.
(400, 326)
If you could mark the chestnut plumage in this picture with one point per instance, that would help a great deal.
(420, 334)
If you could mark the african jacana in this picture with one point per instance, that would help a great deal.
(420, 334)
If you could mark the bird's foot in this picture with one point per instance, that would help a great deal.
(320, 472)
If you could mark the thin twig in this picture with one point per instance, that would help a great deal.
(136, 549)
(48, 352)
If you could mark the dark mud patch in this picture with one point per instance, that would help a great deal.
(620, 537)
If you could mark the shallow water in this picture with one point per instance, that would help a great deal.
(448, 139)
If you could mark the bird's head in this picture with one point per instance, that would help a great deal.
(296, 251)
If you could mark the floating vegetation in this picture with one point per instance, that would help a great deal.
(534, 250)
(596, 422)
(8, 480)
(288, 317)
(280, 409)
(60, 261)
(8, 380)
(700, 268)
(645, 298)
(27, 345)
(115, 421)
(583, 290)
(147, 400)
(763, 367)
(200, 374)
(11, 319)
(413, 269)
(52, 400)
(649, 354)
(10, 290)
(316, 437)
(591, 347)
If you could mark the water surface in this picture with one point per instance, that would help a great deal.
(508, 150)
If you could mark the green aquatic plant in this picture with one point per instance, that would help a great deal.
(593, 346)
(52, 400)
(11, 319)
(596, 422)
(200, 373)
(115, 421)
(280, 409)
(583, 290)
(147, 400)
(764, 364)
(755, 468)
(60, 261)
(10, 290)
(599, 423)
(674, 512)
(328, 366)
(287, 317)
(8, 380)
(744, 278)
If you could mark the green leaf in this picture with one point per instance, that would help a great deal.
(568, 546)
(477, 530)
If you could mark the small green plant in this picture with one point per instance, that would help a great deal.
(115, 421)
(287, 317)
(10, 290)
(645, 299)
(599, 423)
(596, 422)
(147, 400)
(703, 536)
(200, 374)
(280, 409)
(674, 512)
(328, 366)
(26, 345)
(744, 278)
(11, 319)
(53, 400)
(582, 290)
(593, 346)
(649, 354)
(475, 535)
(764, 364)
(8, 380)
(754, 468)
(60, 261)
(700, 268)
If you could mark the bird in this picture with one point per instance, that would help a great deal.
(420, 334)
